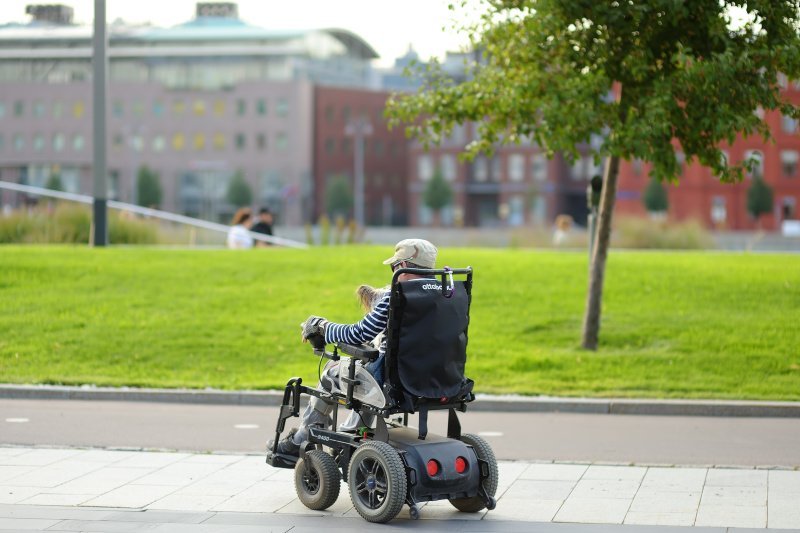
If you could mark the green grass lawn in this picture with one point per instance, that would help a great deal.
(694, 325)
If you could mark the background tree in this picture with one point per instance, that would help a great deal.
(338, 197)
(437, 195)
(54, 182)
(148, 188)
(759, 199)
(239, 193)
(649, 76)
(655, 197)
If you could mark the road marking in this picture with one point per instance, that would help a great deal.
(17, 420)
(490, 434)
(246, 426)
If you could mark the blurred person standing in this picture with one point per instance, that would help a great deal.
(239, 235)
(264, 225)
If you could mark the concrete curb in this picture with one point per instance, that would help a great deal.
(484, 402)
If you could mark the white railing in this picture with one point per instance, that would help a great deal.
(146, 211)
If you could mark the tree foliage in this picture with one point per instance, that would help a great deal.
(338, 196)
(759, 198)
(649, 77)
(437, 194)
(239, 193)
(655, 197)
(54, 182)
(148, 188)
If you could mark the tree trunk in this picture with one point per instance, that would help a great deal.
(597, 267)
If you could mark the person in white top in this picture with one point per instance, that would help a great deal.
(239, 237)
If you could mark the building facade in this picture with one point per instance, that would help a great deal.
(196, 103)
(339, 114)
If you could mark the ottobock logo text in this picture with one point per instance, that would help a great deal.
(429, 286)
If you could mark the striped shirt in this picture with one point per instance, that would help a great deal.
(373, 324)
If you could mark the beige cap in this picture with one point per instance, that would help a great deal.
(417, 251)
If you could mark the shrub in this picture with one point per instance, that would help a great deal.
(643, 233)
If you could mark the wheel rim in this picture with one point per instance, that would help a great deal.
(311, 481)
(371, 484)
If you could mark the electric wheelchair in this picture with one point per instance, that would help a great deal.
(393, 464)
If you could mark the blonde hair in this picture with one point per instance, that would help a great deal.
(369, 296)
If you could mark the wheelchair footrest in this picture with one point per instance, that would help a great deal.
(280, 460)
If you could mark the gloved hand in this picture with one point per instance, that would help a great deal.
(314, 331)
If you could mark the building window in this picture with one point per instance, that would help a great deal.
(78, 142)
(219, 141)
(116, 141)
(788, 124)
(199, 141)
(377, 147)
(159, 143)
(578, 169)
(425, 167)
(38, 142)
(137, 143)
(19, 142)
(261, 106)
(539, 167)
(758, 162)
(347, 146)
(539, 210)
(789, 162)
(199, 108)
(117, 109)
(261, 141)
(496, 169)
(138, 109)
(241, 107)
(330, 145)
(449, 167)
(158, 109)
(516, 168)
(282, 107)
(78, 109)
(219, 108)
(480, 168)
(282, 140)
(58, 142)
(329, 114)
(38, 109)
(239, 141)
(788, 208)
(346, 113)
(178, 141)
(178, 108)
(19, 108)
(719, 212)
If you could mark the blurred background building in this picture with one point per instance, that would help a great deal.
(214, 97)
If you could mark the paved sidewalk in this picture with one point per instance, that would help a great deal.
(217, 484)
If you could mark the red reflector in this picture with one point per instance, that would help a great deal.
(433, 467)
(461, 465)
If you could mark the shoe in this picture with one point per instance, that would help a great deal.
(286, 445)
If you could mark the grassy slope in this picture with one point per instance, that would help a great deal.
(674, 324)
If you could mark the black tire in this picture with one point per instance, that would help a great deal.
(377, 481)
(483, 451)
(317, 480)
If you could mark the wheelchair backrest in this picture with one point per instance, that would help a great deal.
(426, 346)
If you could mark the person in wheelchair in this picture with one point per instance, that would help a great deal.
(408, 253)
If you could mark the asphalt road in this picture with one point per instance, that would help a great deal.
(514, 436)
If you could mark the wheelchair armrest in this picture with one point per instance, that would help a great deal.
(362, 352)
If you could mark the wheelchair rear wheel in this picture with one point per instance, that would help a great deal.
(483, 451)
(377, 481)
(317, 480)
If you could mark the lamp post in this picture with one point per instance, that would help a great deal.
(99, 93)
(358, 129)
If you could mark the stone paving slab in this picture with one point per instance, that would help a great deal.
(160, 488)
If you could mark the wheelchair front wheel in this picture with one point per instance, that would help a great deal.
(483, 451)
(317, 480)
(377, 481)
